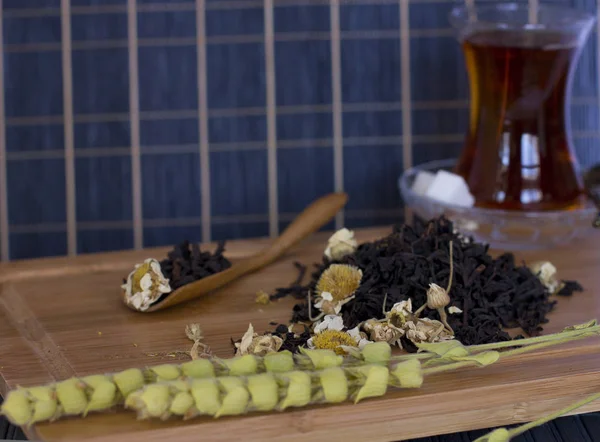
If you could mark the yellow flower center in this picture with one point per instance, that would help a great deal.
(340, 280)
(138, 275)
(332, 340)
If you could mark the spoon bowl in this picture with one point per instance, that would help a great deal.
(315, 216)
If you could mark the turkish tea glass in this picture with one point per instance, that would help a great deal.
(520, 59)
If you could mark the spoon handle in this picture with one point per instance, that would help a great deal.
(315, 216)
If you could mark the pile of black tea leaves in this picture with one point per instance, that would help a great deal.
(186, 263)
(493, 293)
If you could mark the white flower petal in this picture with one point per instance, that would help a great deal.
(329, 322)
(320, 327)
(363, 342)
(355, 333)
(247, 339)
(336, 322)
(327, 296)
(155, 266)
(340, 244)
(146, 282)
(310, 344)
(454, 310)
(137, 300)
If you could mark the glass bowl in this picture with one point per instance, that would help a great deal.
(502, 229)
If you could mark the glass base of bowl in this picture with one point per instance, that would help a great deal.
(501, 229)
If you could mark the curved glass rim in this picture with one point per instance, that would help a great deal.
(566, 16)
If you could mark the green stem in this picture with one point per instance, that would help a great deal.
(505, 354)
(413, 356)
(523, 428)
(448, 367)
(529, 341)
(518, 351)
(525, 345)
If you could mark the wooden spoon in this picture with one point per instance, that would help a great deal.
(315, 216)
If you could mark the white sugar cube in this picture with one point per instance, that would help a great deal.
(450, 188)
(422, 182)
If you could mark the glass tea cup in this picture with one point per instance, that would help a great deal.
(520, 59)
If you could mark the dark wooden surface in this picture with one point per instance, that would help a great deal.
(90, 331)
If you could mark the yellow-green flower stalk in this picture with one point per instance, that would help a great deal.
(78, 396)
(229, 395)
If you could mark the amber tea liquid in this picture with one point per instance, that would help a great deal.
(518, 154)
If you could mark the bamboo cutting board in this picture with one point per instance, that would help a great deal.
(64, 317)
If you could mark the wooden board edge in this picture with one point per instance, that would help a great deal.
(117, 260)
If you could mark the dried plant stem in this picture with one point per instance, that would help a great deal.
(231, 396)
(310, 316)
(450, 247)
(448, 367)
(441, 309)
(283, 390)
(523, 428)
(590, 331)
(521, 350)
(502, 355)
(504, 435)
(78, 396)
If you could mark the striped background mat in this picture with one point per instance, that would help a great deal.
(130, 124)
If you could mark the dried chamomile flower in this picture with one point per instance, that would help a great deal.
(266, 344)
(383, 331)
(145, 285)
(427, 330)
(244, 345)
(400, 313)
(263, 298)
(437, 297)
(360, 337)
(199, 350)
(332, 340)
(254, 344)
(453, 310)
(329, 322)
(546, 273)
(330, 334)
(336, 287)
(340, 244)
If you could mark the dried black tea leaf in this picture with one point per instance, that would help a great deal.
(186, 263)
(569, 287)
(292, 341)
(492, 293)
